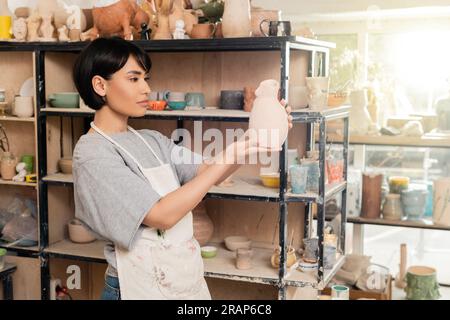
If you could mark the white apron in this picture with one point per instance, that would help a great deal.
(167, 266)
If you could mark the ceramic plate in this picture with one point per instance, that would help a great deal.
(27, 88)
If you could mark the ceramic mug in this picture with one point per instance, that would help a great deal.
(339, 292)
(195, 99)
(276, 28)
(23, 107)
(203, 31)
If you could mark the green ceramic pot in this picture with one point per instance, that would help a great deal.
(422, 284)
(29, 162)
(65, 100)
(177, 105)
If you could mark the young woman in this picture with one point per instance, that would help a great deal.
(129, 190)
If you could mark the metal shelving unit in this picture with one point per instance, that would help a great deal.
(284, 45)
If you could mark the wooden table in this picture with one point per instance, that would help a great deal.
(6, 279)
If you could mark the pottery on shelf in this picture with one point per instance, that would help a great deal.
(78, 233)
(65, 164)
(20, 29)
(23, 107)
(163, 30)
(244, 258)
(202, 223)
(249, 98)
(8, 164)
(268, 117)
(5, 21)
(236, 20)
(422, 283)
(260, 14)
(371, 195)
(33, 24)
(202, 31)
(291, 258)
(232, 99)
(233, 243)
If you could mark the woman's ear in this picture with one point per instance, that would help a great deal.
(99, 84)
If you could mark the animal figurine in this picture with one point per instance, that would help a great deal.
(20, 29)
(63, 34)
(33, 24)
(22, 172)
(115, 17)
(47, 28)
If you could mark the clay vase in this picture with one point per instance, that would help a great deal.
(8, 164)
(202, 223)
(236, 21)
(202, 31)
(371, 196)
(268, 117)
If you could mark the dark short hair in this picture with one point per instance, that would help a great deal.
(104, 57)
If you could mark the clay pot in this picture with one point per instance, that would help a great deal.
(202, 31)
(78, 233)
(290, 260)
(8, 164)
(202, 223)
(268, 117)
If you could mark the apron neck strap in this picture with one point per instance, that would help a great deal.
(103, 134)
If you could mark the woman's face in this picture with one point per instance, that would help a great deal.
(127, 90)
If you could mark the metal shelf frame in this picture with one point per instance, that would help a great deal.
(318, 51)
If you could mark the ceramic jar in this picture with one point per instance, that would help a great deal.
(392, 209)
(23, 107)
(202, 224)
(236, 21)
(244, 258)
(268, 117)
(414, 202)
(8, 164)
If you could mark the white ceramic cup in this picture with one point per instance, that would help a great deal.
(23, 107)
(317, 91)
(339, 292)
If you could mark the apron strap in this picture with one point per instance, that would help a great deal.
(146, 143)
(99, 131)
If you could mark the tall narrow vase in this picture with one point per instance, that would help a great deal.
(236, 20)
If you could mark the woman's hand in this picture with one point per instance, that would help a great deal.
(288, 111)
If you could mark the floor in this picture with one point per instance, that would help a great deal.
(425, 247)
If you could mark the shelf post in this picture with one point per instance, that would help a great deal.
(321, 199)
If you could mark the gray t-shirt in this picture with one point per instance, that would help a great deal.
(112, 196)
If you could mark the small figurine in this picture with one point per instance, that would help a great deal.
(179, 30)
(63, 34)
(22, 172)
(33, 24)
(74, 22)
(47, 28)
(145, 32)
(20, 29)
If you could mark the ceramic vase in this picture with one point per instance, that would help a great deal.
(422, 283)
(203, 225)
(371, 195)
(268, 117)
(236, 21)
(8, 164)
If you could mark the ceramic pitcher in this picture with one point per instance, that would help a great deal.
(268, 117)
(236, 20)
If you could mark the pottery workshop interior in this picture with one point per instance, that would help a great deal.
(224, 150)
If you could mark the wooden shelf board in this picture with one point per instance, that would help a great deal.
(422, 224)
(17, 119)
(67, 248)
(59, 178)
(330, 190)
(33, 249)
(14, 183)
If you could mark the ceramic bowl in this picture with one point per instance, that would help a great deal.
(65, 164)
(270, 180)
(79, 233)
(235, 242)
(208, 251)
(307, 266)
(177, 105)
(65, 100)
(157, 105)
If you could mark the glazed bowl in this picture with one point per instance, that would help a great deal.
(208, 251)
(65, 100)
(65, 164)
(233, 243)
(79, 233)
(270, 180)
(157, 105)
(177, 105)
(307, 267)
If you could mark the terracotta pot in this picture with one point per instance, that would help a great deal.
(202, 223)
(236, 19)
(8, 166)
(371, 196)
(202, 31)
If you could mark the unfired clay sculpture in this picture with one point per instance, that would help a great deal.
(33, 24)
(20, 29)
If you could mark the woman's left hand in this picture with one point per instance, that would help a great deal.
(288, 111)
